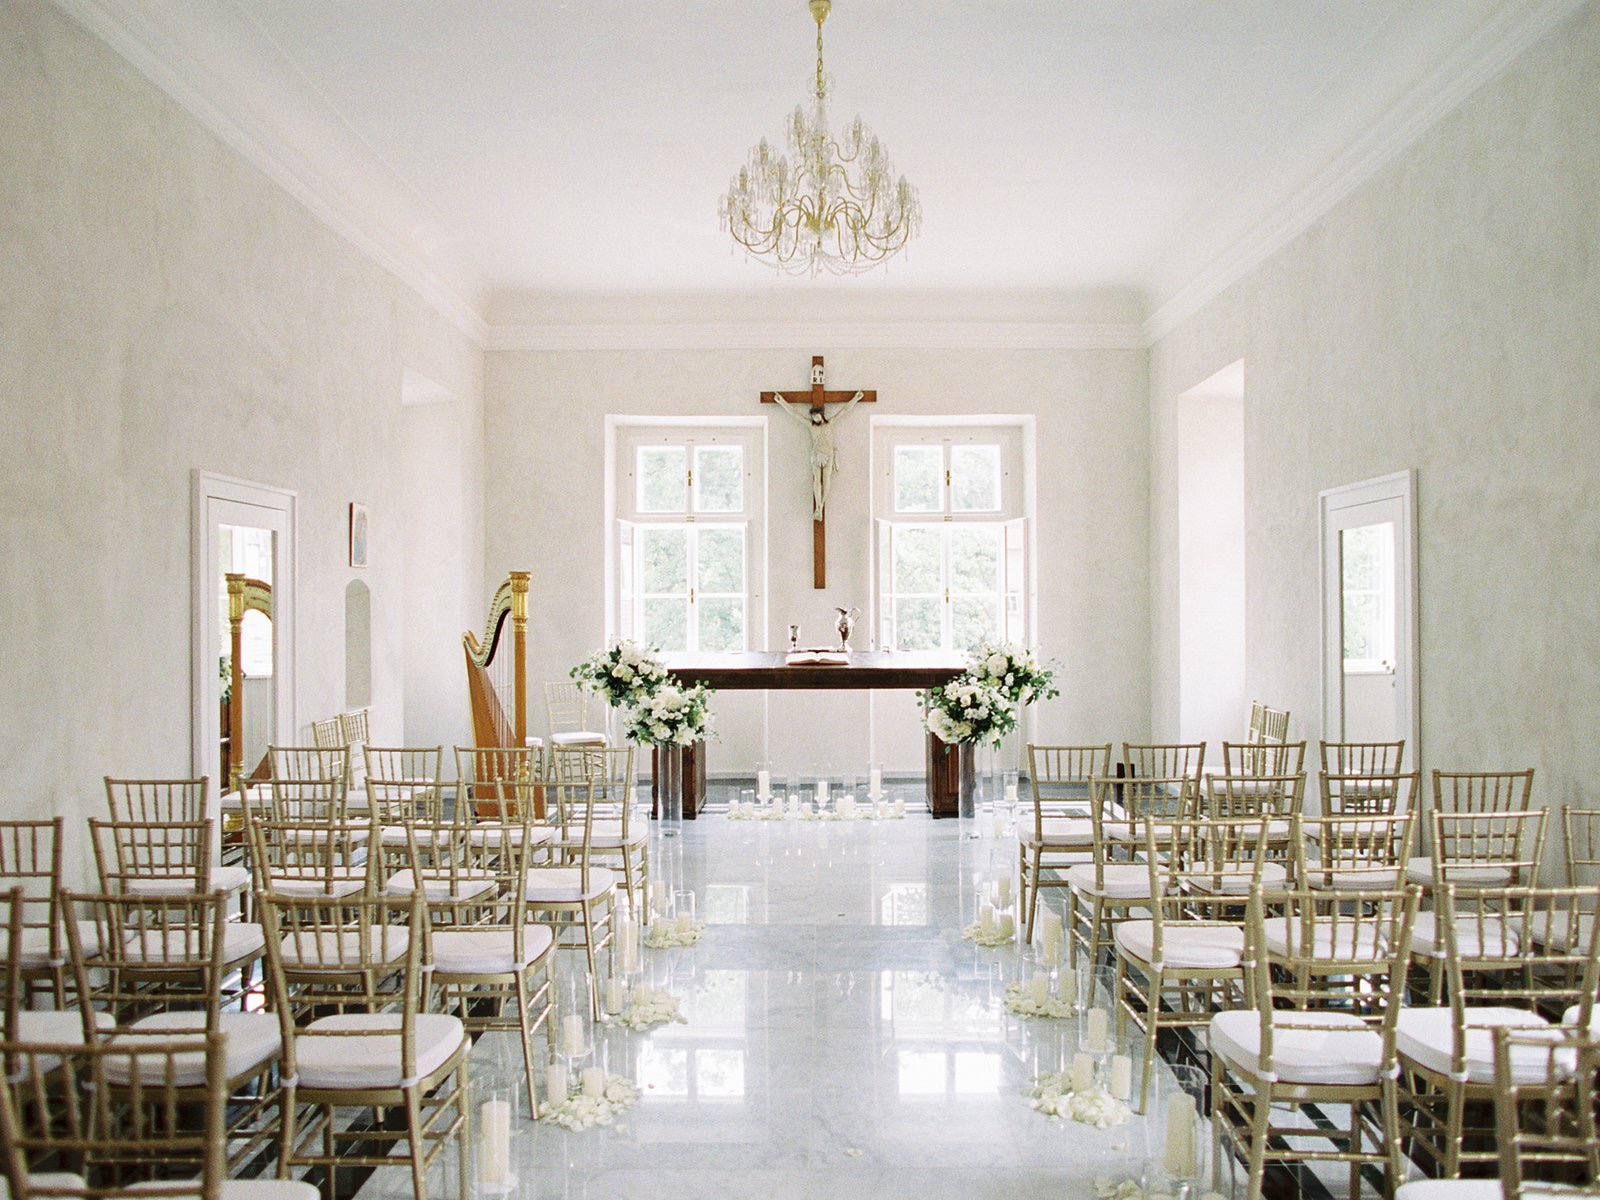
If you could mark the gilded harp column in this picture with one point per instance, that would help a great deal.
(519, 649)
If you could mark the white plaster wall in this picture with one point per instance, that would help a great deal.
(545, 473)
(1445, 316)
(163, 307)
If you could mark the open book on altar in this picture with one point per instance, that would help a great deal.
(817, 657)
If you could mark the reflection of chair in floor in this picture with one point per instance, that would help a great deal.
(566, 706)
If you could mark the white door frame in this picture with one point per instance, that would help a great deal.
(1401, 486)
(220, 499)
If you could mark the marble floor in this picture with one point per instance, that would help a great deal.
(842, 1038)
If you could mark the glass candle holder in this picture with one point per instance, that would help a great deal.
(683, 911)
(1179, 1132)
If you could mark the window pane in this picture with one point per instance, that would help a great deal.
(666, 623)
(916, 624)
(975, 558)
(664, 559)
(916, 560)
(917, 478)
(721, 623)
(663, 479)
(972, 619)
(975, 478)
(719, 478)
(1367, 566)
(721, 560)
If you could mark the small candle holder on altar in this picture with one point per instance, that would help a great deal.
(764, 780)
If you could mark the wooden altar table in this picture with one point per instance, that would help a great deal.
(765, 670)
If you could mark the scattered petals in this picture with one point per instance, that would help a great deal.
(665, 934)
(1020, 1002)
(975, 933)
(1052, 1095)
(649, 1007)
(579, 1112)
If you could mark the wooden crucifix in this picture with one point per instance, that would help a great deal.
(824, 453)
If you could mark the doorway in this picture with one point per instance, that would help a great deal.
(1369, 612)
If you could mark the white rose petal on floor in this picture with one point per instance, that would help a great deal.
(669, 935)
(650, 1007)
(581, 1111)
(1052, 1095)
(1023, 1004)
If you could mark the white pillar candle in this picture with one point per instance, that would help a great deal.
(986, 919)
(572, 1036)
(899, 808)
(1179, 1157)
(555, 1082)
(764, 784)
(822, 791)
(1050, 953)
(794, 806)
(1002, 891)
(875, 782)
(1011, 793)
(494, 1143)
(1069, 985)
(658, 895)
(1008, 926)
(1039, 989)
(594, 1082)
(1121, 1076)
(685, 922)
(1082, 1072)
(613, 996)
(1050, 925)
(1099, 1030)
(999, 829)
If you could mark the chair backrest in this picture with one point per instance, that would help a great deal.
(500, 782)
(150, 954)
(117, 1113)
(151, 856)
(1482, 791)
(157, 799)
(30, 861)
(1580, 833)
(1355, 851)
(566, 706)
(1508, 845)
(1369, 795)
(328, 734)
(354, 727)
(1263, 758)
(11, 994)
(321, 763)
(1202, 869)
(1342, 952)
(609, 768)
(1165, 760)
(1279, 796)
(1520, 947)
(311, 856)
(1546, 1090)
(574, 814)
(1362, 758)
(1119, 806)
(1059, 777)
(404, 783)
(1267, 724)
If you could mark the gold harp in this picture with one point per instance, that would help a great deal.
(497, 671)
(244, 595)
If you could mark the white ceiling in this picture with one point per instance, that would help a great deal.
(507, 152)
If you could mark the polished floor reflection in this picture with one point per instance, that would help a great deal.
(842, 1039)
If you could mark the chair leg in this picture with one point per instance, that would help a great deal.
(1260, 1124)
(524, 1022)
(1152, 1022)
(588, 950)
(414, 1142)
(464, 1130)
(1033, 891)
(1394, 1170)
(288, 1134)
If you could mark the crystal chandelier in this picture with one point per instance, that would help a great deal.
(826, 205)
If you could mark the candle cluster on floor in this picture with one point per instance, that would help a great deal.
(598, 1100)
(1054, 1096)
(648, 1007)
(683, 930)
(1034, 999)
(847, 809)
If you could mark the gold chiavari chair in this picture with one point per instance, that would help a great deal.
(1482, 791)
(1513, 957)
(1546, 1127)
(19, 1022)
(1352, 852)
(328, 734)
(445, 866)
(67, 1129)
(1321, 1033)
(619, 835)
(370, 1046)
(354, 732)
(566, 707)
(1106, 889)
(1165, 760)
(1185, 961)
(404, 784)
(498, 783)
(1061, 833)
(310, 858)
(1277, 799)
(1263, 758)
(576, 897)
(1268, 725)
(1359, 777)
(30, 859)
(143, 861)
(166, 968)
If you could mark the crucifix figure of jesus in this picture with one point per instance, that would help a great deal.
(824, 452)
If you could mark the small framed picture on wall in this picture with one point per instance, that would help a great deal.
(358, 535)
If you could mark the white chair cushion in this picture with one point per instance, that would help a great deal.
(1354, 879)
(607, 835)
(222, 879)
(464, 887)
(1425, 1036)
(57, 1028)
(560, 885)
(345, 882)
(239, 941)
(1351, 1055)
(495, 835)
(578, 737)
(347, 1063)
(487, 951)
(388, 944)
(68, 1185)
(1206, 947)
(35, 953)
(1122, 881)
(1236, 881)
(1497, 938)
(1355, 942)
(242, 1189)
(253, 1040)
(1451, 1189)
(1557, 932)
(1074, 832)
(1420, 871)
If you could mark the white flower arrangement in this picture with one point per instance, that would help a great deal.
(1014, 671)
(579, 1112)
(1054, 1008)
(649, 1007)
(625, 673)
(1052, 1095)
(987, 937)
(671, 715)
(968, 709)
(667, 935)
(1105, 1188)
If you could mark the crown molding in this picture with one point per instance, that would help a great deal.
(1480, 58)
(219, 108)
(792, 335)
